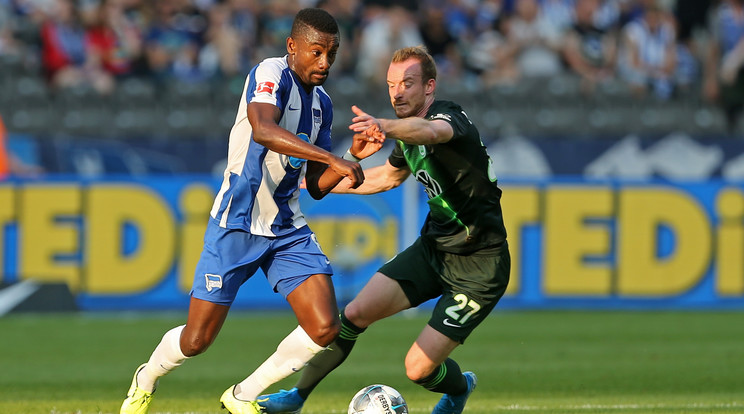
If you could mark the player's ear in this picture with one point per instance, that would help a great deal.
(431, 84)
(291, 46)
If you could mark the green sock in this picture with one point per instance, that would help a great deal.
(447, 379)
(326, 361)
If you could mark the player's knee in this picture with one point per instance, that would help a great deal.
(192, 345)
(356, 315)
(416, 371)
(325, 332)
(416, 374)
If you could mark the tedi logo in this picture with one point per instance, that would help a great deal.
(213, 281)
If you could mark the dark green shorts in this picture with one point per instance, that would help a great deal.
(469, 285)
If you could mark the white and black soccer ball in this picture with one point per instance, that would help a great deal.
(378, 399)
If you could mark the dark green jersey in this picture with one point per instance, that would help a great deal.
(464, 200)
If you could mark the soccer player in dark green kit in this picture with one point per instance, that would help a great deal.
(461, 256)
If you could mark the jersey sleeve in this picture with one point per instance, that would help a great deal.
(456, 117)
(396, 158)
(265, 84)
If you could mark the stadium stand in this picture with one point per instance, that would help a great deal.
(196, 103)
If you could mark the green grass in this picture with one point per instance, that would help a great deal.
(531, 362)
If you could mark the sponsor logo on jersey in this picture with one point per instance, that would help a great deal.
(431, 186)
(265, 87)
(213, 281)
(446, 117)
(296, 162)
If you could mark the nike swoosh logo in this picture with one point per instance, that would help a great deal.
(14, 295)
(292, 109)
(448, 323)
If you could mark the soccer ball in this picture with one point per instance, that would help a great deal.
(378, 399)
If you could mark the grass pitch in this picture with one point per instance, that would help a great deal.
(527, 362)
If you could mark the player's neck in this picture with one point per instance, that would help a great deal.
(427, 104)
(291, 63)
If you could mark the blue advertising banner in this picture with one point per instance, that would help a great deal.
(127, 243)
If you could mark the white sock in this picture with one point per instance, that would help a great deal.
(166, 357)
(291, 356)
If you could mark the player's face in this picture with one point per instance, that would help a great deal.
(311, 55)
(407, 89)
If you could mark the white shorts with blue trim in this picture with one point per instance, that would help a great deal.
(231, 256)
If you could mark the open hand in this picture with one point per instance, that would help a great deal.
(364, 122)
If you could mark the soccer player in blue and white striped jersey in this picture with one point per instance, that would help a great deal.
(282, 134)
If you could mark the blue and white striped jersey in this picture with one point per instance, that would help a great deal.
(260, 189)
(654, 46)
(728, 27)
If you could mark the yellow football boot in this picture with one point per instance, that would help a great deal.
(236, 406)
(138, 400)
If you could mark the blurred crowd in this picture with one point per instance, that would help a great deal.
(657, 47)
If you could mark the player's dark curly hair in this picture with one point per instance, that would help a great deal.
(428, 67)
(315, 18)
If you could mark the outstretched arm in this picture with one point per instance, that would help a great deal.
(412, 130)
(320, 180)
(377, 179)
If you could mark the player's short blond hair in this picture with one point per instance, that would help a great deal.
(428, 67)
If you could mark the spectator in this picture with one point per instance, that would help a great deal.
(491, 58)
(487, 14)
(347, 14)
(385, 29)
(34, 11)
(560, 13)
(172, 42)
(442, 45)
(534, 40)
(691, 15)
(8, 43)
(648, 57)
(724, 74)
(588, 50)
(244, 19)
(220, 55)
(115, 39)
(458, 17)
(65, 58)
(692, 19)
(609, 14)
(274, 24)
